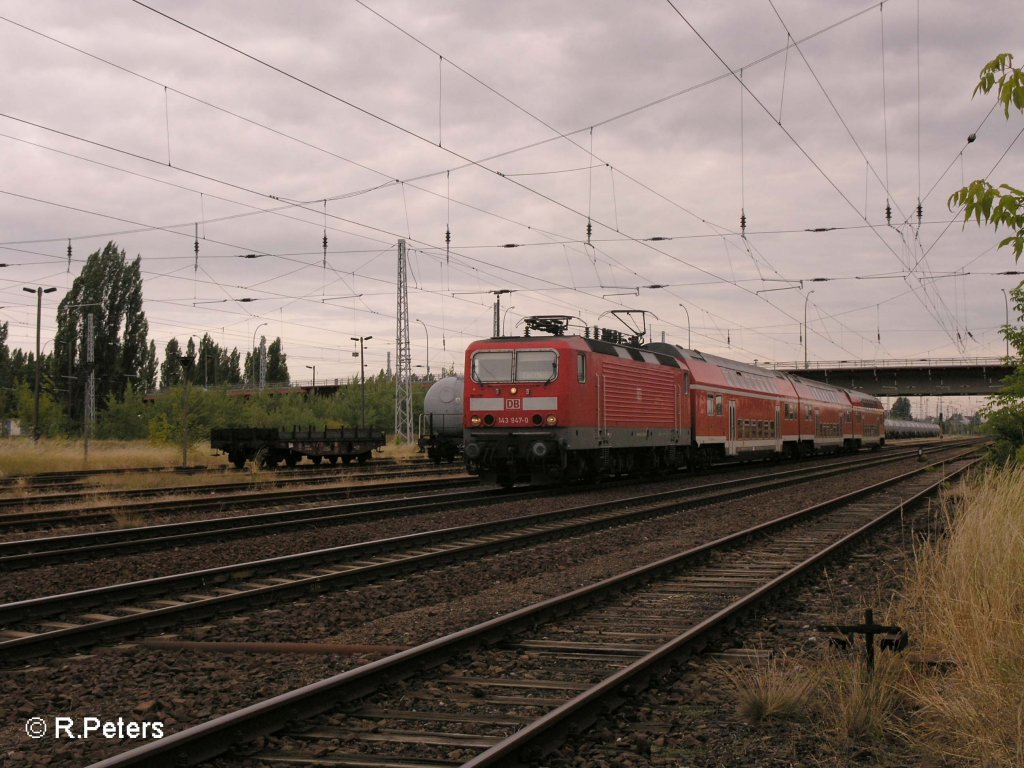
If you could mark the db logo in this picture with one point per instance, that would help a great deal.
(513, 404)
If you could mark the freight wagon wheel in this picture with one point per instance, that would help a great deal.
(291, 460)
(262, 459)
(238, 459)
(316, 460)
(346, 460)
(362, 458)
(333, 460)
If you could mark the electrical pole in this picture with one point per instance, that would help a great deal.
(403, 355)
(263, 362)
(90, 386)
(808, 296)
(496, 332)
(187, 363)
(362, 379)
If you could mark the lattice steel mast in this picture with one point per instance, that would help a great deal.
(403, 356)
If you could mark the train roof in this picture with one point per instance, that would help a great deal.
(711, 370)
(581, 343)
(863, 399)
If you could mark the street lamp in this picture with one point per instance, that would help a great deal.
(38, 291)
(314, 377)
(362, 379)
(425, 332)
(1006, 300)
(254, 353)
(808, 296)
(689, 343)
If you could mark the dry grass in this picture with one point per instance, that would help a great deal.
(965, 605)
(776, 687)
(145, 481)
(126, 518)
(957, 698)
(855, 705)
(399, 452)
(20, 456)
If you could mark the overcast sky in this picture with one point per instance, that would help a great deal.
(265, 124)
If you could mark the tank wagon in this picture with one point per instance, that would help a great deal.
(441, 422)
(268, 447)
(568, 405)
(899, 429)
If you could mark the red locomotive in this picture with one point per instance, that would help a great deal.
(570, 406)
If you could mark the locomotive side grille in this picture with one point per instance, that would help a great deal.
(634, 394)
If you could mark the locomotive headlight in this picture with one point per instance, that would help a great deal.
(551, 420)
(474, 420)
(513, 390)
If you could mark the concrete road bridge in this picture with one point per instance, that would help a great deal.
(892, 378)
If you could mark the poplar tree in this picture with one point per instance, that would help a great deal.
(110, 288)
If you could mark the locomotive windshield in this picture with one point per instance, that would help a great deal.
(490, 367)
(541, 365)
(523, 365)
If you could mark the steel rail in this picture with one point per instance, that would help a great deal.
(26, 553)
(195, 501)
(236, 586)
(213, 738)
(31, 553)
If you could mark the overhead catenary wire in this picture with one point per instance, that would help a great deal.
(588, 207)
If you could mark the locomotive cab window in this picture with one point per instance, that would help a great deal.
(718, 405)
(537, 365)
(489, 367)
(496, 366)
(711, 405)
(581, 368)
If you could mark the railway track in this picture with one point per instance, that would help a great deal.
(507, 690)
(59, 623)
(86, 511)
(60, 478)
(29, 553)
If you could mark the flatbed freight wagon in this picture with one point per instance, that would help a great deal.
(268, 447)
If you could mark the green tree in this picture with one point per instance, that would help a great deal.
(1002, 205)
(215, 366)
(125, 420)
(150, 370)
(277, 365)
(900, 408)
(7, 398)
(1004, 413)
(52, 419)
(170, 368)
(109, 288)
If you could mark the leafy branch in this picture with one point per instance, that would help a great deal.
(1003, 205)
